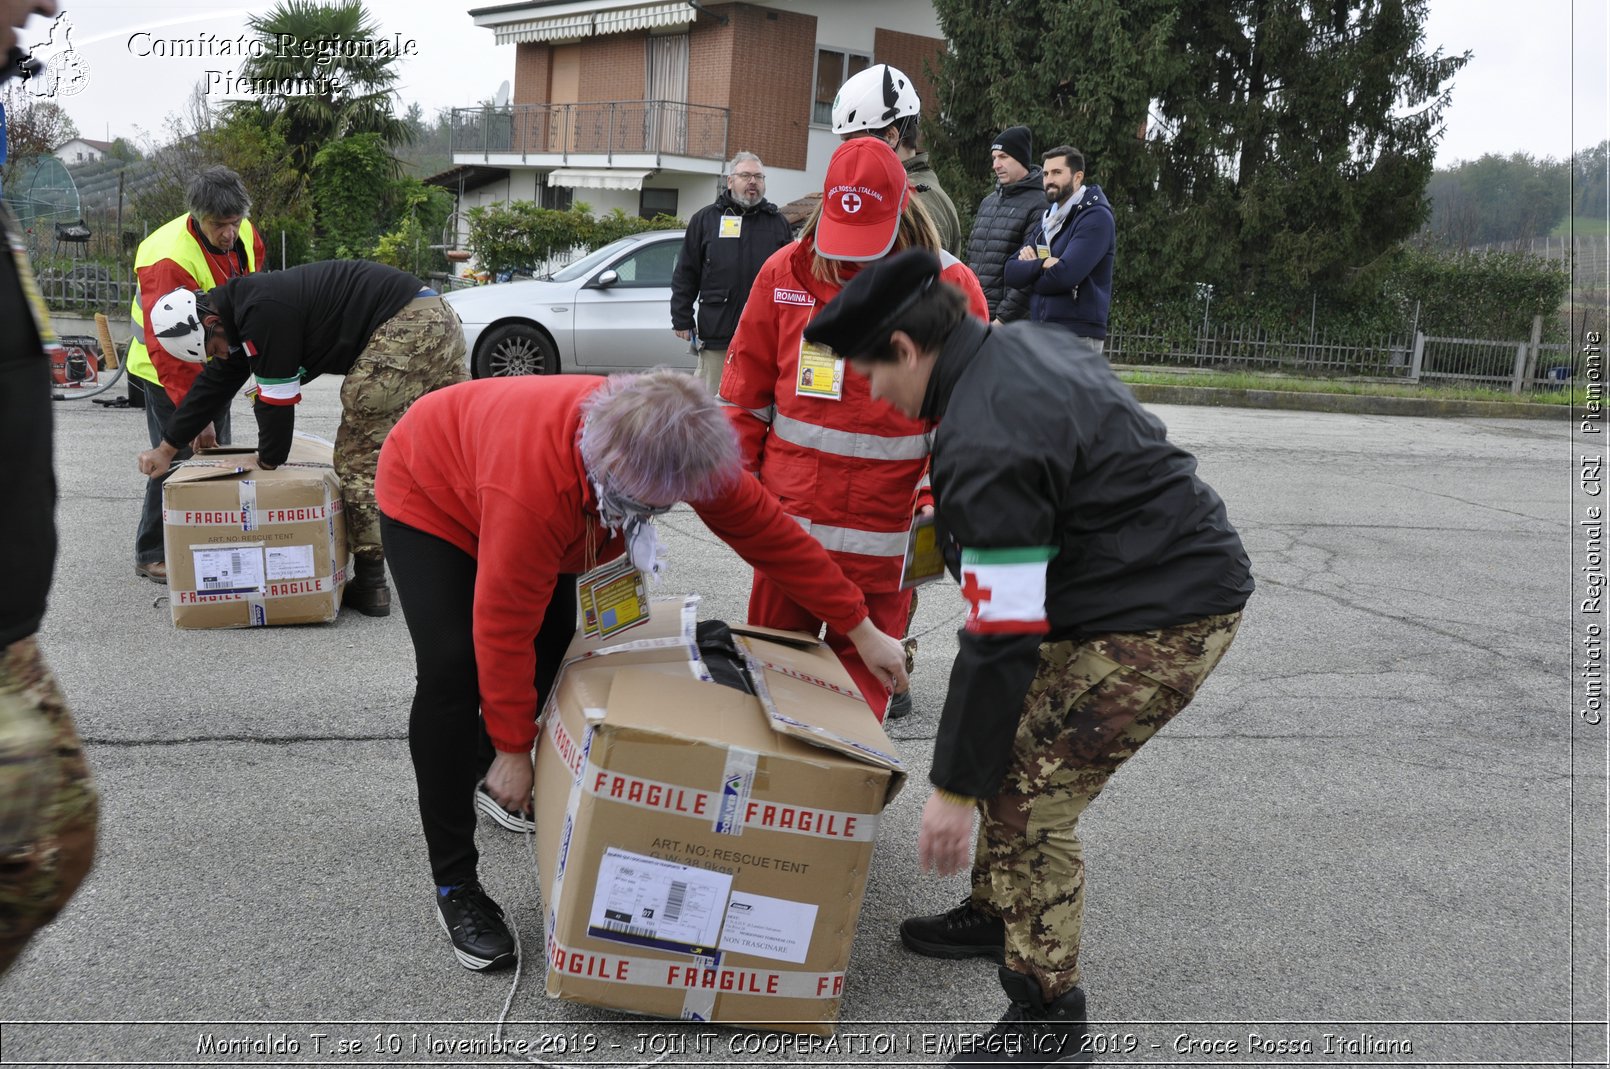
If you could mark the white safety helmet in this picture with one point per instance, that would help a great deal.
(879, 96)
(176, 321)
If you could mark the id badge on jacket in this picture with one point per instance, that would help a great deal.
(613, 598)
(820, 373)
(732, 226)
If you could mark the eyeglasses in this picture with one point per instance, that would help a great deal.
(756, 175)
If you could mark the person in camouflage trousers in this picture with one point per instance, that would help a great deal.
(48, 806)
(394, 340)
(1104, 583)
(1091, 705)
(418, 350)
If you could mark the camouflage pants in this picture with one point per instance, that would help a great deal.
(418, 350)
(1091, 706)
(49, 805)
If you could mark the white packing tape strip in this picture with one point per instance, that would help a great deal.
(248, 505)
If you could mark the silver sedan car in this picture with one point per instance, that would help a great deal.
(608, 311)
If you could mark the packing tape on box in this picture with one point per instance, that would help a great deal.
(713, 979)
(287, 588)
(237, 517)
(730, 810)
(248, 505)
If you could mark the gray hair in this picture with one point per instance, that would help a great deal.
(659, 437)
(216, 192)
(742, 157)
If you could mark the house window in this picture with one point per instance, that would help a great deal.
(833, 68)
(656, 202)
(559, 198)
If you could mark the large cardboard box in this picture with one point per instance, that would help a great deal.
(704, 851)
(250, 548)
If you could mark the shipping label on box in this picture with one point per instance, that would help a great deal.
(705, 850)
(250, 548)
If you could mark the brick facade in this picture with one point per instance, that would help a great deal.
(532, 66)
(773, 56)
(918, 56)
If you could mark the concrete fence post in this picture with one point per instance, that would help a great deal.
(1419, 356)
(1516, 376)
(1533, 349)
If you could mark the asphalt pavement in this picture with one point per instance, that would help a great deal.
(1377, 836)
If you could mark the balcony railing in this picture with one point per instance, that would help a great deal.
(630, 127)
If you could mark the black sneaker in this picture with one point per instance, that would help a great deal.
(964, 932)
(899, 706)
(475, 925)
(507, 818)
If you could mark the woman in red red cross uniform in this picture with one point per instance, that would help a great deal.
(849, 469)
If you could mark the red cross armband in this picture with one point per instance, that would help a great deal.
(1005, 589)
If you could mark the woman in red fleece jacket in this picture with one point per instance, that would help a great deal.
(493, 496)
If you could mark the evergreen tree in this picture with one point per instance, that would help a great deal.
(1269, 147)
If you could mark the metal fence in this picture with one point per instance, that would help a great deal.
(85, 289)
(1516, 365)
(1233, 347)
(633, 127)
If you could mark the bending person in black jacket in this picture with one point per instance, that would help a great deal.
(1066, 267)
(393, 338)
(725, 246)
(1105, 582)
(1004, 221)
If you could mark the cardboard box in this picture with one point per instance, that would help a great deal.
(704, 851)
(250, 548)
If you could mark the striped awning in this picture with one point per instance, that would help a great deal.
(557, 28)
(586, 178)
(642, 17)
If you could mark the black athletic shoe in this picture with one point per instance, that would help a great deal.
(899, 706)
(1033, 1033)
(475, 925)
(964, 932)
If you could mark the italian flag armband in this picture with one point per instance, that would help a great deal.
(1005, 589)
(285, 391)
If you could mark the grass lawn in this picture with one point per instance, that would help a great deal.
(1235, 380)
(1585, 226)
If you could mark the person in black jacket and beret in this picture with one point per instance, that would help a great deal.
(1104, 582)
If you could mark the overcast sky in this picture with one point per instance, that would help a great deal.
(1526, 89)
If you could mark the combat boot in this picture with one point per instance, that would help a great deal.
(367, 591)
(1033, 1032)
(963, 932)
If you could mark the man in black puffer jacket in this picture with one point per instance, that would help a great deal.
(1004, 220)
(726, 244)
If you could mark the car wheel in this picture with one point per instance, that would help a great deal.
(517, 349)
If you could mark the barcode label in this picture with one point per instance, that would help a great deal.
(674, 900)
(229, 569)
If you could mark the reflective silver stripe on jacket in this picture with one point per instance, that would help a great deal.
(851, 540)
(848, 443)
(765, 415)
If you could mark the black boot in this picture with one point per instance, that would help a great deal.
(367, 591)
(1033, 1032)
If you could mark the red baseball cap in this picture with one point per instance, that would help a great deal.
(865, 192)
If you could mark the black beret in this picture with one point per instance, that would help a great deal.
(860, 318)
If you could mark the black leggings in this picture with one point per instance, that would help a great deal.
(447, 739)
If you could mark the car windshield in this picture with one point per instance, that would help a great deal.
(577, 269)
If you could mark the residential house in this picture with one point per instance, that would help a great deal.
(81, 150)
(638, 104)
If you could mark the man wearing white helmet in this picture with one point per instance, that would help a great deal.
(881, 102)
(393, 339)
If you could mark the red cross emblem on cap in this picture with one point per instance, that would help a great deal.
(851, 202)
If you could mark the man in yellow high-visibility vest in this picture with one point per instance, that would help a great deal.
(206, 247)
